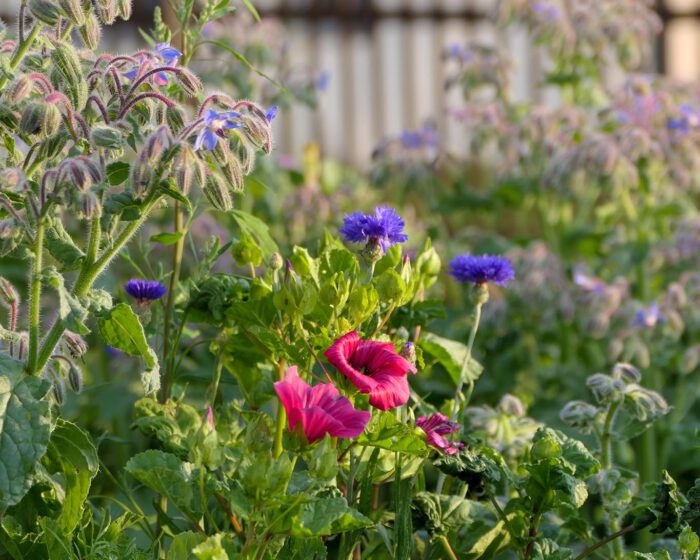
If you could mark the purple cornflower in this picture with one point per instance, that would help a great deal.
(384, 227)
(144, 291)
(437, 426)
(214, 125)
(481, 269)
(649, 317)
(271, 113)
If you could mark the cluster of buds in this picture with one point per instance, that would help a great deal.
(621, 387)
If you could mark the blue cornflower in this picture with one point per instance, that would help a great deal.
(271, 113)
(214, 125)
(481, 269)
(649, 317)
(384, 227)
(144, 291)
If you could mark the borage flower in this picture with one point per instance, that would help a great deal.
(481, 269)
(649, 317)
(213, 128)
(145, 291)
(384, 227)
(168, 55)
(320, 409)
(437, 426)
(373, 367)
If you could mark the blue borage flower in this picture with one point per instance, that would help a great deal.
(271, 113)
(481, 269)
(145, 291)
(214, 125)
(689, 118)
(385, 227)
(168, 56)
(649, 317)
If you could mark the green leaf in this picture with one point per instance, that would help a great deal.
(213, 548)
(167, 238)
(450, 354)
(58, 546)
(248, 4)
(122, 329)
(385, 431)
(182, 545)
(71, 448)
(169, 476)
(176, 195)
(24, 429)
(70, 309)
(258, 229)
(324, 516)
(61, 246)
(117, 172)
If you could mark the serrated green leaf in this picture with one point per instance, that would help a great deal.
(61, 246)
(182, 545)
(258, 229)
(70, 309)
(385, 431)
(117, 172)
(24, 429)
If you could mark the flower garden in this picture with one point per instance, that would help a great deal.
(209, 353)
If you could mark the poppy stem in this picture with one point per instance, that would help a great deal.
(302, 332)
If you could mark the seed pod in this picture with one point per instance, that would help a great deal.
(75, 379)
(46, 11)
(18, 90)
(106, 10)
(217, 193)
(107, 137)
(124, 9)
(73, 10)
(189, 83)
(91, 32)
(189, 170)
(40, 118)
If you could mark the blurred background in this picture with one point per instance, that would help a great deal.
(380, 63)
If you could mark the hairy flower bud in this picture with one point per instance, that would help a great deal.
(8, 293)
(408, 352)
(275, 262)
(188, 170)
(175, 118)
(690, 359)
(605, 389)
(18, 89)
(141, 175)
(91, 31)
(106, 10)
(428, 263)
(258, 131)
(644, 403)
(58, 390)
(124, 9)
(46, 11)
(580, 415)
(108, 137)
(479, 293)
(627, 373)
(79, 172)
(73, 10)
(67, 65)
(75, 344)
(511, 405)
(217, 192)
(233, 173)
(189, 83)
(75, 378)
(40, 118)
(157, 144)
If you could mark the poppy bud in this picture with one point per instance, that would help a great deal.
(40, 118)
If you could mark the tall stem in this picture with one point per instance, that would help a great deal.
(591, 549)
(178, 251)
(457, 406)
(90, 274)
(34, 302)
(606, 463)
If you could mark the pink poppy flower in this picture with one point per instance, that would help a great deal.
(320, 409)
(435, 427)
(373, 367)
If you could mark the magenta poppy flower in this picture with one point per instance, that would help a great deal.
(320, 409)
(373, 367)
(437, 426)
